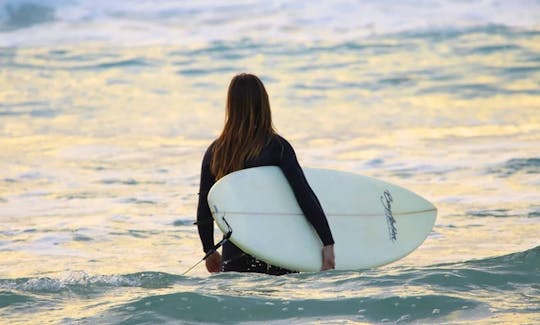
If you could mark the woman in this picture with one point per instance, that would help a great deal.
(249, 140)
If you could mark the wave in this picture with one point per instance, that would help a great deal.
(54, 62)
(83, 283)
(499, 271)
(437, 293)
(519, 262)
(478, 90)
(35, 109)
(8, 298)
(196, 307)
(26, 14)
(517, 165)
(497, 213)
(169, 21)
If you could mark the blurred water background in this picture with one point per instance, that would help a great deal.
(106, 108)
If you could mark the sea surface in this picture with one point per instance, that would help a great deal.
(106, 108)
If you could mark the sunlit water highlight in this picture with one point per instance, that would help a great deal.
(102, 134)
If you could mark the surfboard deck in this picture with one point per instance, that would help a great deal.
(373, 222)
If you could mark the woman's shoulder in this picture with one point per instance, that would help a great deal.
(280, 139)
(285, 141)
(208, 153)
(282, 144)
(212, 144)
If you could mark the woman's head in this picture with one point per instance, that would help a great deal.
(248, 107)
(248, 125)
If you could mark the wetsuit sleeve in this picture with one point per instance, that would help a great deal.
(307, 200)
(205, 222)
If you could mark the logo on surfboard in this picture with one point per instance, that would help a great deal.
(386, 200)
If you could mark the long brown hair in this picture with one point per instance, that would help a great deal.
(248, 125)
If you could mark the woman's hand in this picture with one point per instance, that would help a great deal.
(328, 258)
(213, 262)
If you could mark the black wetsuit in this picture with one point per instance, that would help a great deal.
(278, 152)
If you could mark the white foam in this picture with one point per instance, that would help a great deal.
(133, 22)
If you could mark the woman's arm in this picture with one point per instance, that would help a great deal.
(307, 200)
(205, 223)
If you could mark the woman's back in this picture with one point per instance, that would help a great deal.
(249, 140)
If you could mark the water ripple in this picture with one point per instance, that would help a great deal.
(517, 165)
(8, 298)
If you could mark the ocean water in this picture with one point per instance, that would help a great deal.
(106, 108)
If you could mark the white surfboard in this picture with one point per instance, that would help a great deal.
(373, 222)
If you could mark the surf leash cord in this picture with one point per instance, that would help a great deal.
(215, 248)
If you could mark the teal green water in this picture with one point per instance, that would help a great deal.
(449, 292)
(106, 110)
